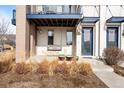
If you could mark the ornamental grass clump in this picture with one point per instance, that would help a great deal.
(6, 60)
(73, 68)
(53, 66)
(84, 68)
(43, 67)
(62, 68)
(113, 55)
(5, 66)
(22, 68)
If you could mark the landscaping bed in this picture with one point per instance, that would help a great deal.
(119, 70)
(33, 80)
(114, 57)
(47, 74)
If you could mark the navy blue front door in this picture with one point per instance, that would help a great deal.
(112, 37)
(87, 41)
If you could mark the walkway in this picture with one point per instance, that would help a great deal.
(106, 74)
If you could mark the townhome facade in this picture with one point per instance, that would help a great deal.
(76, 30)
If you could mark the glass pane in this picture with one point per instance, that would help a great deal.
(39, 8)
(50, 37)
(69, 38)
(87, 35)
(53, 8)
(112, 37)
(87, 41)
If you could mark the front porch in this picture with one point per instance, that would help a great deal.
(53, 41)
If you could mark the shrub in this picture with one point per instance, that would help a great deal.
(34, 65)
(73, 68)
(62, 69)
(84, 68)
(7, 56)
(5, 66)
(6, 61)
(22, 68)
(53, 66)
(43, 67)
(113, 55)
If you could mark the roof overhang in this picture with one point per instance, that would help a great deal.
(67, 19)
(90, 19)
(115, 20)
(55, 22)
(54, 16)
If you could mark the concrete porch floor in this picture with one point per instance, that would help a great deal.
(40, 58)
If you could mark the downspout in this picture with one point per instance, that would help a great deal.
(99, 33)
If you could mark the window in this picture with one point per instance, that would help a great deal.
(39, 8)
(69, 38)
(112, 37)
(52, 8)
(50, 37)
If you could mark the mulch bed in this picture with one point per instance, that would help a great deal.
(119, 70)
(34, 80)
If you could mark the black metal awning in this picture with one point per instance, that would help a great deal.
(89, 19)
(115, 20)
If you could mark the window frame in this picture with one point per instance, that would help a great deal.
(67, 38)
(116, 38)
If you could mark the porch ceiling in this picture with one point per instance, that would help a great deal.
(54, 22)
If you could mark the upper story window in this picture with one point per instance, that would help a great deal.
(69, 38)
(52, 8)
(50, 37)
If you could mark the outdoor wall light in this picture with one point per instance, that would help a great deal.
(123, 33)
(40, 31)
(78, 32)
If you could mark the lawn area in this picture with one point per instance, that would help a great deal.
(47, 74)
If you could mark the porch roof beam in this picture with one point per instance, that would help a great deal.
(35, 21)
(53, 16)
(42, 22)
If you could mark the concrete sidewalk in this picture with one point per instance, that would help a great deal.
(106, 74)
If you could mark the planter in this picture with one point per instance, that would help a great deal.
(69, 58)
(61, 58)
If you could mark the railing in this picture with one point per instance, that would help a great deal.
(56, 9)
(53, 13)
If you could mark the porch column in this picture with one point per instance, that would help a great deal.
(32, 40)
(74, 43)
(102, 32)
(78, 40)
(22, 33)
